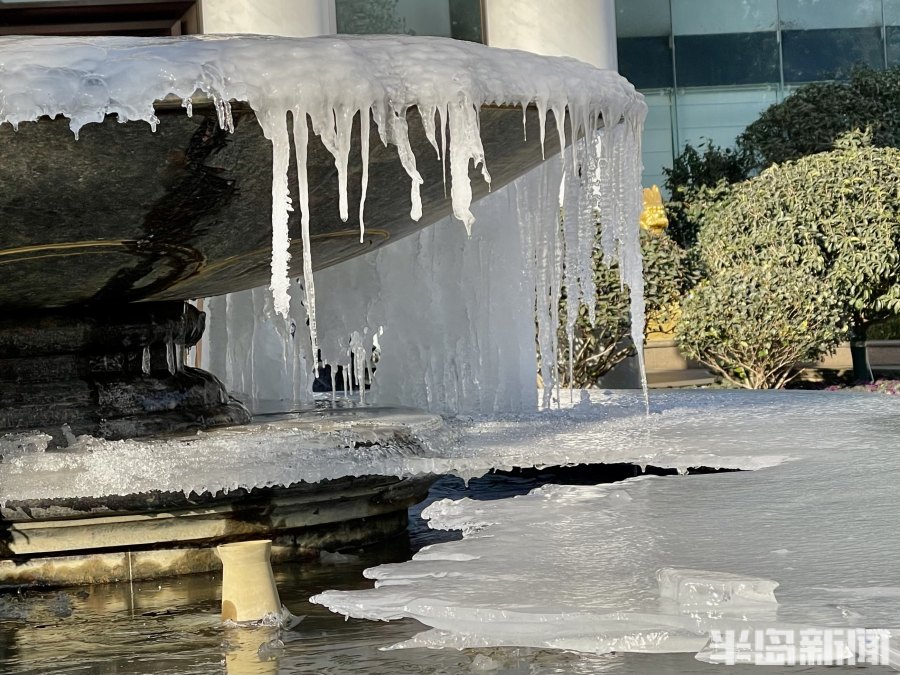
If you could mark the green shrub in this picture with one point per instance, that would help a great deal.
(836, 215)
(752, 322)
(822, 230)
(705, 166)
(812, 118)
(886, 329)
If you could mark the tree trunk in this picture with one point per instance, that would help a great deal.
(861, 370)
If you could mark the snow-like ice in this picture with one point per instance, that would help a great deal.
(725, 429)
(329, 81)
(802, 548)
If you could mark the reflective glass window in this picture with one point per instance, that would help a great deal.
(726, 59)
(460, 19)
(703, 17)
(643, 28)
(824, 14)
(829, 54)
(646, 62)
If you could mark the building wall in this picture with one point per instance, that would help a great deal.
(583, 29)
(711, 66)
(292, 18)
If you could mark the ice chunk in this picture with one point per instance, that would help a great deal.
(17, 444)
(710, 590)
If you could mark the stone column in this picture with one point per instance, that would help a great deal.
(292, 18)
(582, 29)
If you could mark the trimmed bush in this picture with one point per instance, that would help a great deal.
(829, 223)
(751, 323)
(812, 118)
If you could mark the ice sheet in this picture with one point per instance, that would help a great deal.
(685, 429)
(653, 564)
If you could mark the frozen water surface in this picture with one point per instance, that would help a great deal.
(802, 544)
(724, 429)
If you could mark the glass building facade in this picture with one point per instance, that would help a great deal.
(709, 67)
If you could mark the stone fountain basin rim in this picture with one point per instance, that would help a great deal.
(172, 103)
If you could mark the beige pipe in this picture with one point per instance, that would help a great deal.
(248, 585)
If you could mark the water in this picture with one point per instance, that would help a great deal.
(172, 626)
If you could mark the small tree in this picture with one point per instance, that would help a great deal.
(834, 216)
(812, 118)
(694, 169)
(753, 322)
(601, 346)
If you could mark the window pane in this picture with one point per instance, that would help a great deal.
(892, 12)
(642, 18)
(656, 145)
(459, 19)
(720, 115)
(811, 55)
(892, 36)
(818, 14)
(703, 17)
(646, 62)
(729, 59)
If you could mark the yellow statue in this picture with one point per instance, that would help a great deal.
(653, 217)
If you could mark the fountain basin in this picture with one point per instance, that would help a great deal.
(54, 533)
(123, 214)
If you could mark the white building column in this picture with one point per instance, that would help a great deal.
(290, 18)
(582, 29)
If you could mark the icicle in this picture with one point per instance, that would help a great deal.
(170, 357)
(574, 141)
(524, 121)
(542, 124)
(145, 360)
(343, 127)
(301, 141)
(427, 113)
(442, 112)
(466, 146)
(399, 135)
(281, 208)
(364, 151)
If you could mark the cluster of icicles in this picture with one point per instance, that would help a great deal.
(329, 81)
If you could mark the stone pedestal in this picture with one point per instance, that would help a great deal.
(111, 371)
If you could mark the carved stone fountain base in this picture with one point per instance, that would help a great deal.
(112, 372)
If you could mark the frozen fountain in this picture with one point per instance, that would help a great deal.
(139, 174)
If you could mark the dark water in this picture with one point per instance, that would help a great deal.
(173, 626)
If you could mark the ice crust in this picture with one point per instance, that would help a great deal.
(330, 81)
(684, 429)
(659, 564)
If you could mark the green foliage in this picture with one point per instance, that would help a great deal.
(752, 322)
(835, 214)
(832, 219)
(886, 329)
(693, 170)
(599, 347)
(812, 118)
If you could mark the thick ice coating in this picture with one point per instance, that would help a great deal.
(793, 563)
(330, 81)
(684, 429)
